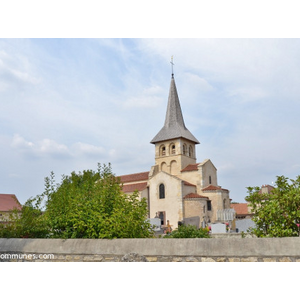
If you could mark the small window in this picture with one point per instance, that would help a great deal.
(209, 179)
(184, 149)
(162, 150)
(190, 151)
(173, 149)
(161, 191)
(208, 205)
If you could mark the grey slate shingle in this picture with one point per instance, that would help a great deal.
(174, 126)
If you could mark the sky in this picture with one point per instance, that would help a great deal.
(68, 104)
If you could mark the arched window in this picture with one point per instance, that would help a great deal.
(190, 151)
(161, 191)
(162, 150)
(184, 149)
(173, 149)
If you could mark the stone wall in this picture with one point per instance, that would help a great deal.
(152, 250)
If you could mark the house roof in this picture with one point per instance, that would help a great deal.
(129, 188)
(206, 161)
(174, 126)
(9, 202)
(193, 196)
(194, 167)
(134, 177)
(240, 208)
(213, 188)
(191, 167)
(266, 188)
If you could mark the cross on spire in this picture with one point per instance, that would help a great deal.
(171, 62)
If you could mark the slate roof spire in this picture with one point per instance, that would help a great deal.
(174, 126)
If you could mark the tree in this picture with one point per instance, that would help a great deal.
(27, 223)
(88, 204)
(276, 214)
(188, 231)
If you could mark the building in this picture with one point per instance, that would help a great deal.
(243, 210)
(7, 203)
(266, 189)
(177, 188)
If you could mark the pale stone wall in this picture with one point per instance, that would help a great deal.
(200, 177)
(187, 189)
(153, 250)
(191, 177)
(193, 208)
(4, 216)
(143, 194)
(206, 169)
(172, 203)
(217, 198)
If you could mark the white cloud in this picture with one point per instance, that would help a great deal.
(15, 70)
(20, 143)
(143, 101)
(47, 148)
(248, 94)
(51, 147)
(23, 76)
(197, 82)
(43, 148)
(79, 149)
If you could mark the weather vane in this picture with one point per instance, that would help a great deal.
(171, 62)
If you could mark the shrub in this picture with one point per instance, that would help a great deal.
(188, 231)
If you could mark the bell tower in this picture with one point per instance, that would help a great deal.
(174, 144)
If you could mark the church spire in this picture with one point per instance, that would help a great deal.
(174, 126)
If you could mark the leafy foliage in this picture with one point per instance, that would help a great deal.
(27, 223)
(188, 231)
(278, 213)
(84, 205)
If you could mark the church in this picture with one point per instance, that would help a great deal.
(177, 188)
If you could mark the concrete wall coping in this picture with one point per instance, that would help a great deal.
(155, 247)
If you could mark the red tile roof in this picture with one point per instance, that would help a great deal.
(191, 167)
(193, 195)
(8, 202)
(134, 177)
(213, 188)
(129, 188)
(240, 208)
